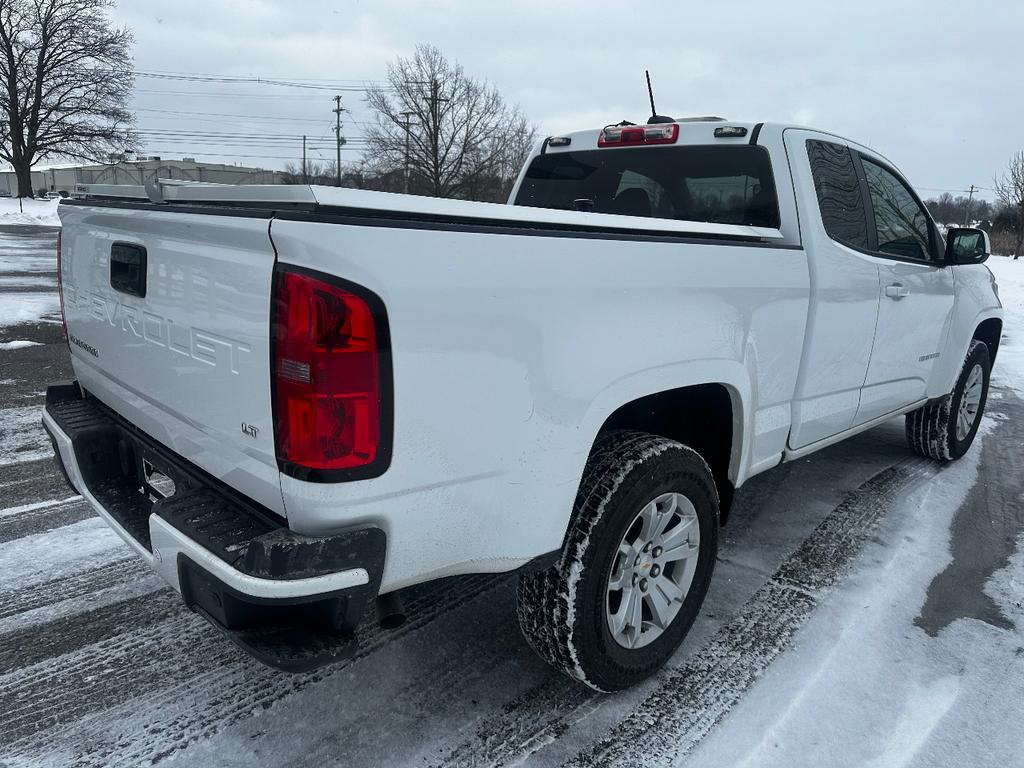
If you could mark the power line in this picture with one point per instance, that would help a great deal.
(273, 77)
(221, 94)
(251, 80)
(186, 115)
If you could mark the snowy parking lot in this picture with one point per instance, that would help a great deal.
(867, 610)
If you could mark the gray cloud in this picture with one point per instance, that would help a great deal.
(935, 86)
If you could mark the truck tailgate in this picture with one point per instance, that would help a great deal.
(168, 317)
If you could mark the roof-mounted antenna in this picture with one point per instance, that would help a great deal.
(655, 117)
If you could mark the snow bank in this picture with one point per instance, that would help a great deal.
(1009, 368)
(862, 685)
(29, 213)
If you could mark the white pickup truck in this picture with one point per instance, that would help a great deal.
(294, 402)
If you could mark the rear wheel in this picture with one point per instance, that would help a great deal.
(635, 567)
(945, 428)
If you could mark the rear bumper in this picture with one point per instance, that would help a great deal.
(292, 601)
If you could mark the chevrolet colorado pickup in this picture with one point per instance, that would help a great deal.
(293, 402)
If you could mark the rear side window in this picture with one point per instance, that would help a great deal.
(725, 185)
(900, 220)
(839, 194)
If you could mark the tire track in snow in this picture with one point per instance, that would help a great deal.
(31, 482)
(37, 643)
(38, 698)
(136, 680)
(42, 518)
(688, 701)
(74, 585)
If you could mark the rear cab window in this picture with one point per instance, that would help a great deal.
(719, 184)
(840, 198)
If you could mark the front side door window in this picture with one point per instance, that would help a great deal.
(901, 223)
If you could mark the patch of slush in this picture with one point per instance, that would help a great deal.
(32, 261)
(52, 554)
(17, 308)
(28, 212)
(27, 281)
(22, 437)
(22, 508)
(16, 344)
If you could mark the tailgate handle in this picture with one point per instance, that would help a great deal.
(128, 269)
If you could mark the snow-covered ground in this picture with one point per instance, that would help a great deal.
(28, 211)
(867, 609)
(1010, 276)
(28, 279)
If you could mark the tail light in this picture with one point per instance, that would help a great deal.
(332, 378)
(60, 289)
(632, 135)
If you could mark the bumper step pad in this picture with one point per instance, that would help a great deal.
(295, 634)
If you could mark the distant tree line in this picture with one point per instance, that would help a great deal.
(950, 210)
(1004, 219)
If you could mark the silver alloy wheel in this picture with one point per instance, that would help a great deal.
(969, 402)
(652, 570)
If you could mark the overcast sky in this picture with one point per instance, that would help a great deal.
(935, 86)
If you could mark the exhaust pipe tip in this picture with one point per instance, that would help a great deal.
(390, 613)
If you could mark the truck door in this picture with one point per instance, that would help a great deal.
(845, 286)
(916, 294)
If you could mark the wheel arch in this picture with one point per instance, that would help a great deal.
(707, 417)
(989, 331)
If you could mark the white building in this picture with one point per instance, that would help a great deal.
(63, 178)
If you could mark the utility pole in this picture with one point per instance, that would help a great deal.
(970, 197)
(305, 176)
(406, 123)
(435, 130)
(338, 138)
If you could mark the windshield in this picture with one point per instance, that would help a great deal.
(726, 185)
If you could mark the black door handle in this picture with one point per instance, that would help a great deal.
(128, 269)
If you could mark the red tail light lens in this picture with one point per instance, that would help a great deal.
(331, 372)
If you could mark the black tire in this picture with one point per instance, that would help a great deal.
(561, 610)
(931, 429)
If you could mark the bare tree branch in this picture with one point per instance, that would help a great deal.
(65, 81)
(439, 132)
(1010, 190)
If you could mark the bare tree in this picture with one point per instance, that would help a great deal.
(1010, 191)
(65, 80)
(442, 132)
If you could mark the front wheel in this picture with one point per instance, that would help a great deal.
(945, 428)
(635, 567)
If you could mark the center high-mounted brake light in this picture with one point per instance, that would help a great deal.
(633, 135)
(332, 378)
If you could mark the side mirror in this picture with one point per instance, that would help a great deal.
(965, 245)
